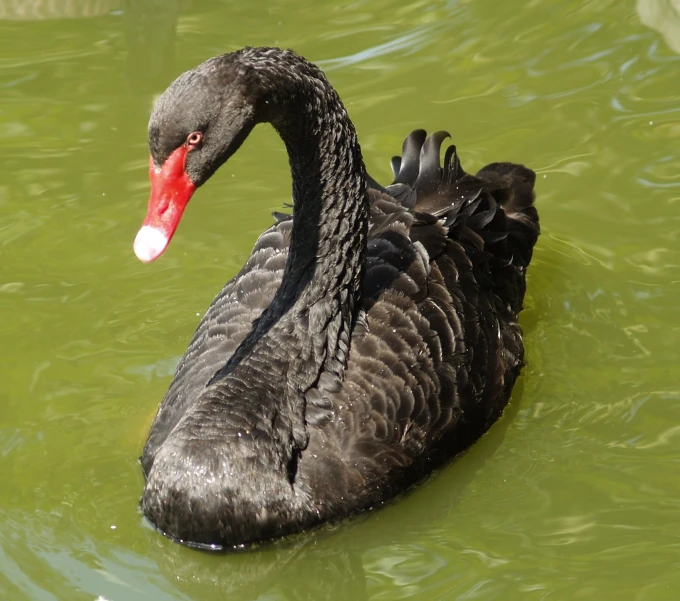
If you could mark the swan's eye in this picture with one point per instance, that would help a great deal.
(194, 139)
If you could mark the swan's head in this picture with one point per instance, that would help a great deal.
(204, 117)
(196, 125)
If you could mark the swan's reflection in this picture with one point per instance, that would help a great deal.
(664, 17)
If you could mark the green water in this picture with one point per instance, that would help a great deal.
(574, 494)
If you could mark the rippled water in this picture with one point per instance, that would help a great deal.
(572, 495)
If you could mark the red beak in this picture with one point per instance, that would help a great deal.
(171, 190)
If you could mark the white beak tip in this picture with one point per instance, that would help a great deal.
(150, 243)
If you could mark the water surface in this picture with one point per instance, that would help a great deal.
(572, 495)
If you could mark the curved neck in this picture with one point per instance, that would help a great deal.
(308, 324)
(330, 213)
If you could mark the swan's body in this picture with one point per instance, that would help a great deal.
(365, 340)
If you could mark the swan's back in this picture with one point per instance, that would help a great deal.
(433, 361)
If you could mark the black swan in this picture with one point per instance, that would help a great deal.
(368, 338)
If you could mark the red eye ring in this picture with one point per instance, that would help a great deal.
(194, 139)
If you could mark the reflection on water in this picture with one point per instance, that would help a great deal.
(664, 17)
(31, 10)
(572, 495)
(149, 27)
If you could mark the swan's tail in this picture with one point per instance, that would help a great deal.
(522, 216)
(492, 214)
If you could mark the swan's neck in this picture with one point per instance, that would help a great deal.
(323, 274)
(306, 329)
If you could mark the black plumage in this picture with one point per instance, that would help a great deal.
(368, 337)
